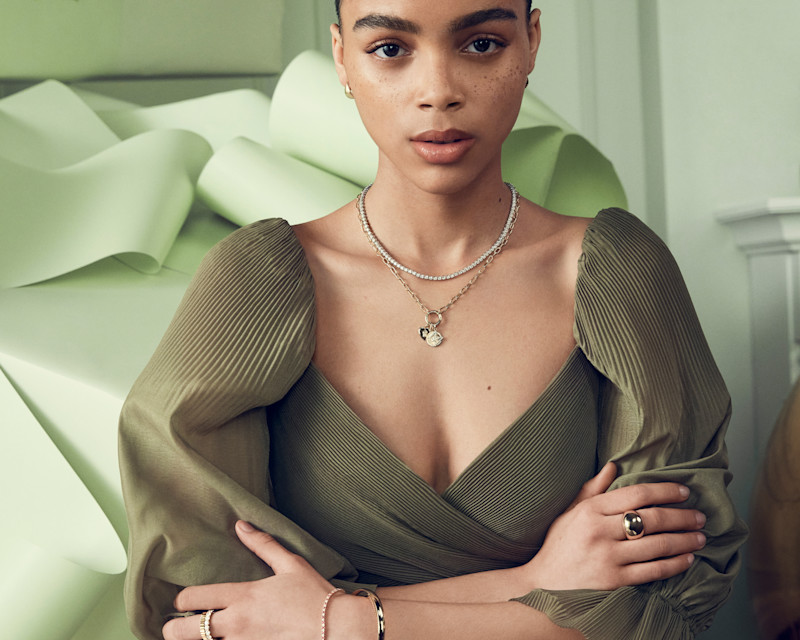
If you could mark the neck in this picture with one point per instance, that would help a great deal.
(437, 231)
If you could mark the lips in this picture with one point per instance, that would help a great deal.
(442, 147)
(442, 137)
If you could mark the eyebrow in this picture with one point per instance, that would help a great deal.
(381, 21)
(479, 17)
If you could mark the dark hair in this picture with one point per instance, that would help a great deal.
(339, 17)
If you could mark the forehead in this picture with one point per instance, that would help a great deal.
(425, 12)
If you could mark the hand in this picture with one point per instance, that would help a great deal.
(286, 605)
(586, 547)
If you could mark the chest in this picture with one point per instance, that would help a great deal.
(338, 481)
(437, 408)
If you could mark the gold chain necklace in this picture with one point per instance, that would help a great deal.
(433, 317)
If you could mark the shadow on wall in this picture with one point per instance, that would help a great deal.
(774, 564)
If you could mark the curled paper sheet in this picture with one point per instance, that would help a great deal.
(312, 120)
(97, 326)
(60, 552)
(79, 419)
(72, 193)
(49, 127)
(553, 165)
(246, 181)
(218, 118)
(561, 170)
(129, 200)
(69, 40)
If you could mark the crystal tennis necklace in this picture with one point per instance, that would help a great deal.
(362, 213)
(433, 317)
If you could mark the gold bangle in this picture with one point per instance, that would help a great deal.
(328, 597)
(376, 601)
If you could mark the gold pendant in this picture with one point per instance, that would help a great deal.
(431, 336)
(434, 338)
(429, 333)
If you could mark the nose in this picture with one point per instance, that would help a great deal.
(439, 87)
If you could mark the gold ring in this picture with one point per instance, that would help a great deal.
(205, 625)
(633, 525)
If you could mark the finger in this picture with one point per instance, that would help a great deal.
(598, 484)
(280, 559)
(638, 496)
(644, 572)
(666, 519)
(188, 627)
(658, 546)
(657, 520)
(206, 596)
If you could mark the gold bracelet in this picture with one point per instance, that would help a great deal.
(328, 597)
(378, 609)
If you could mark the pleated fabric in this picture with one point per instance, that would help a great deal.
(230, 419)
(337, 480)
(664, 410)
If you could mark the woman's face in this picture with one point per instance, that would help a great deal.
(438, 83)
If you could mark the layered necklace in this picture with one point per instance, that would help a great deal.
(433, 317)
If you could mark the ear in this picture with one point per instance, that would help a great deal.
(337, 45)
(534, 36)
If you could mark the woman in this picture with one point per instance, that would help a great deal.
(437, 437)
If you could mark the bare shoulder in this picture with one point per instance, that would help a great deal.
(330, 237)
(555, 227)
(319, 231)
(551, 239)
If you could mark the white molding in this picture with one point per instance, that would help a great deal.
(768, 226)
(768, 232)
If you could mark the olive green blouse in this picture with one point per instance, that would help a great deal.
(231, 419)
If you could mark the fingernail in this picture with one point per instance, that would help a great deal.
(245, 527)
(691, 559)
(684, 491)
(701, 539)
(701, 519)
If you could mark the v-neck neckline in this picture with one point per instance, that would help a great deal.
(398, 462)
(504, 434)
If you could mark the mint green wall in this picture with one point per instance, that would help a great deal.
(730, 109)
(306, 26)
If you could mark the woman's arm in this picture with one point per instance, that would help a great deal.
(193, 439)
(585, 548)
(289, 605)
(664, 410)
(406, 620)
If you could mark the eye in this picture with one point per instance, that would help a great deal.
(388, 50)
(484, 45)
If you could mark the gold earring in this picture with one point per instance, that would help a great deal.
(348, 92)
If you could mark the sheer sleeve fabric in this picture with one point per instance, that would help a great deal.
(663, 415)
(194, 444)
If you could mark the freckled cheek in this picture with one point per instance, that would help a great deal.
(382, 100)
(380, 114)
(500, 98)
(503, 91)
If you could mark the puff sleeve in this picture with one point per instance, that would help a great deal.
(664, 410)
(193, 439)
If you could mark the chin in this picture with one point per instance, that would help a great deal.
(446, 180)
